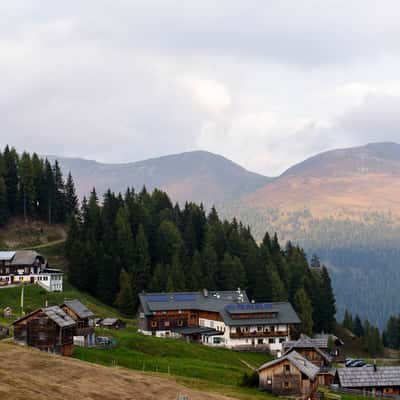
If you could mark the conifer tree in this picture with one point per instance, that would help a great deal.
(3, 202)
(142, 260)
(303, 307)
(126, 298)
(71, 199)
(348, 321)
(358, 328)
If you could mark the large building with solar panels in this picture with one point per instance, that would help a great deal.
(218, 318)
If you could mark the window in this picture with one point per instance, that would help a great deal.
(180, 323)
(286, 385)
(286, 369)
(154, 324)
(281, 340)
(271, 341)
(260, 341)
(166, 323)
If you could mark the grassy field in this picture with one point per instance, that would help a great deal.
(36, 297)
(216, 367)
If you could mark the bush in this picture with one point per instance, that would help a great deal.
(249, 379)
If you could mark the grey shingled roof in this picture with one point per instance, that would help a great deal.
(321, 343)
(80, 309)
(109, 321)
(216, 302)
(61, 318)
(6, 255)
(368, 377)
(301, 363)
(306, 343)
(24, 257)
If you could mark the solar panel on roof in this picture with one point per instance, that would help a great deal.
(185, 297)
(156, 298)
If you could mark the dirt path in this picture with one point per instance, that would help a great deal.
(29, 374)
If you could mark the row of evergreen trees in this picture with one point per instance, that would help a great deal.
(391, 335)
(372, 340)
(142, 242)
(33, 188)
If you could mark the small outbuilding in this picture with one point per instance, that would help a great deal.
(291, 375)
(112, 323)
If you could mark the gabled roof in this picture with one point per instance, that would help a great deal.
(78, 308)
(55, 313)
(306, 343)
(24, 257)
(6, 255)
(301, 363)
(368, 377)
(221, 302)
(109, 321)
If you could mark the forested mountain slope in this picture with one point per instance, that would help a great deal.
(343, 205)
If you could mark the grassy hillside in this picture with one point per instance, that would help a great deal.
(35, 297)
(19, 235)
(202, 366)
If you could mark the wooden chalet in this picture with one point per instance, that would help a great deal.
(291, 375)
(112, 323)
(48, 329)
(375, 380)
(84, 331)
(320, 358)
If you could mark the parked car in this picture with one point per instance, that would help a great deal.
(348, 361)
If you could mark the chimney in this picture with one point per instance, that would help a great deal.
(205, 292)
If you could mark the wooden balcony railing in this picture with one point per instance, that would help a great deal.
(258, 334)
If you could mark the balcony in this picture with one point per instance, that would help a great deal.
(258, 334)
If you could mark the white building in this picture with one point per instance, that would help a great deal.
(224, 319)
(28, 267)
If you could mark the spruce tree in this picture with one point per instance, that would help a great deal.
(142, 260)
(126, 298)
(3, 202)
(303, 308)
(71, 199)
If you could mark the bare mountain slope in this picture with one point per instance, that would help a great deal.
(353, 181)
(193, 176)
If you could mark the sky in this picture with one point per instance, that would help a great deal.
(264, 83)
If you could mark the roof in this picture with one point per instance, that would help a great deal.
(55, 313)
(368, 377)
(301, 363)
(78, 308)
(24, 257)
(61, 318)
(306, 343)
(109, 321)
(326, 336)
(198, 330)
(222, 302)
(6, 255)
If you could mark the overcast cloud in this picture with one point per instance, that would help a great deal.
(264, 83)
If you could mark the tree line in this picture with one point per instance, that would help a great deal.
(32, 187)
(372, 340)
(142, 242)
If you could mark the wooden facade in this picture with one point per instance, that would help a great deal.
(285, 379)
(41, 331)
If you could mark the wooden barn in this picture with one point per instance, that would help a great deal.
(84, 331)
(112, 323)
(47, 329)
(320, 358)
(373, 380)
(291, 375)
